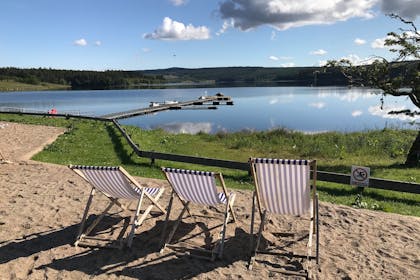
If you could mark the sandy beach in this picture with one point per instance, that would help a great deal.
(42, 204)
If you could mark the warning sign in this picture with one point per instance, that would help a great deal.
(360, 176)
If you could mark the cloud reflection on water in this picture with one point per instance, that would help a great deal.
(186, 127)
(384, 113)
(281, 99)
(350, 96)
(318, 105)
(356, 113)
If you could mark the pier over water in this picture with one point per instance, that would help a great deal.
(218, 99)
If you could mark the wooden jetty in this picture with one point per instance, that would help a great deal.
(218, 99)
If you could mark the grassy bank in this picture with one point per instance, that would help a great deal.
(384, 151)
(10, 85)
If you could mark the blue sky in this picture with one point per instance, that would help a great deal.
(154, 34)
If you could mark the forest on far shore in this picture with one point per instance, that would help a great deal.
(179, 77)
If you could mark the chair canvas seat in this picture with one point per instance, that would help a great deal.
(198, 187)
(283, 187)
(115, 183)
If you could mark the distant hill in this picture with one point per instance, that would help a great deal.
(179, 77)
(304, 76)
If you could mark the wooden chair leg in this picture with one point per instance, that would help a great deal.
(177, 223)
(155, 201)
(225, 221)
(311, 231)
(135, 222)
(252, 223)
(317, 228)
(252, 259)
(232, 200)
(96, 222)
(82, 223)
(165, 225)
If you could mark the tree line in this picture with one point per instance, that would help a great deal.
(218, 76)
(251, 76)
(77, 80)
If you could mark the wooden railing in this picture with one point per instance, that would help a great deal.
(332, 177)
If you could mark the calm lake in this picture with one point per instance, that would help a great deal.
(307, 109)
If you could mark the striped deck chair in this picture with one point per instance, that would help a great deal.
(198, 187)
(284, 187)
(115, 183)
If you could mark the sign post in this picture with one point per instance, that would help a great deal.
(359, 176)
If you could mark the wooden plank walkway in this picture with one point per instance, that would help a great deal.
(218, 99)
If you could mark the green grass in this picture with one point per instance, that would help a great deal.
(10, 85)
(384, 151)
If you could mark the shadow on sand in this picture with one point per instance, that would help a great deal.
(144, 260)
(43, 241)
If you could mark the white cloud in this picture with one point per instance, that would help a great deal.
(356, 60)
(273, 35)
(318, 52)
(178, 2)
(284, 14)
(174, 30)
(146, 50)
(226, 25)
(318, 105)
(322, 63)
(288, 64)
(81, 42)
(356, 113)
(378, 43)
(98, 43)
(359, 41)
(408, 9)
(277, 58)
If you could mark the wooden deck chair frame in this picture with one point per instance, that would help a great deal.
(217, 250)
(313, 210)
(83, 239)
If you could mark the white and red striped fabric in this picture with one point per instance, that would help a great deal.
(283, 185)
(111, 181)
(195, 186)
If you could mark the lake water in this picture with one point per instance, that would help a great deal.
(308, 109)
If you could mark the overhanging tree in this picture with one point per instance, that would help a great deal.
(400, 77)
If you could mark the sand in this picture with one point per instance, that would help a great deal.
(42, 204)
